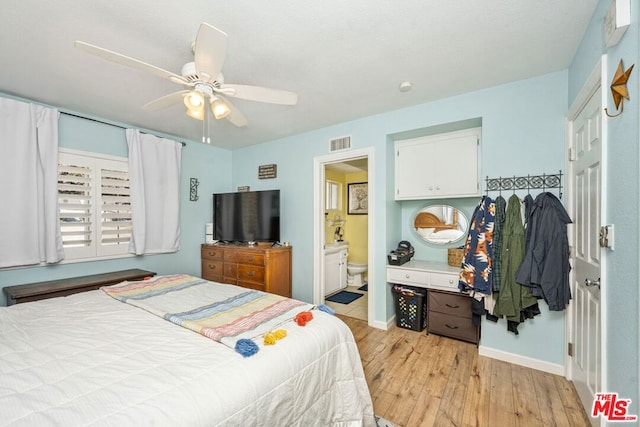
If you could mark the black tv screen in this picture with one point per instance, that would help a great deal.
(247, 216)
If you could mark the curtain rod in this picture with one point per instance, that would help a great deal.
(107, 123)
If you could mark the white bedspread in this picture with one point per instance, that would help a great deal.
(74, 361)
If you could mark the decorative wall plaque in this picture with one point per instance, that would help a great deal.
(267, 171)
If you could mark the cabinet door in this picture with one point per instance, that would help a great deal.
(415, 175)
(457, 174)
(331, 273)
(342, 269)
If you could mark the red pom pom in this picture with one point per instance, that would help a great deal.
(303, 317)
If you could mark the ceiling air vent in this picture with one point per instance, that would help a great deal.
(341, 143)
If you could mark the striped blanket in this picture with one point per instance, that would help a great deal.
(224, 313)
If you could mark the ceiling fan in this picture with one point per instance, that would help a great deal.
(202, 80)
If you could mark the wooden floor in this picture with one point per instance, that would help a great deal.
(427, 380)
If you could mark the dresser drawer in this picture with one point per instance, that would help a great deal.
(452, 326)
(252, 285)
(445, 281)
(397, 275)
(250, 258)
(250, 273)
(456, 305)
(212, 253)
(212, 270)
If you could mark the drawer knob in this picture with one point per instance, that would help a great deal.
(406, 276)
(451, 281)
(213, 267)
(251, 273)
(452, 306)
(450, 327)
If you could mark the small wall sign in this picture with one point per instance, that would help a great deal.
(267, 171)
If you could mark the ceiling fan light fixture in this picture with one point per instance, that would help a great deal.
(196, 113)
(219, 108)
(194, 100)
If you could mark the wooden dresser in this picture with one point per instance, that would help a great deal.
(263, 268)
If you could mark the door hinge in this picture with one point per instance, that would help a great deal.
(570, 349)
(572, 154)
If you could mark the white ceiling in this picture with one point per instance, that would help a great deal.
(345, 59)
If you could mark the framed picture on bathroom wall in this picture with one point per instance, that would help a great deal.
(358, 198)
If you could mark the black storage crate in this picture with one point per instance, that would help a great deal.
(411, 307)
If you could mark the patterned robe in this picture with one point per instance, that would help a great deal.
(477, 265)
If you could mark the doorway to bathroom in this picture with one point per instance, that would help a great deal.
(343, 183)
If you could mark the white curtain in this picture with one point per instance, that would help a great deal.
(29, 219)
(154, 173)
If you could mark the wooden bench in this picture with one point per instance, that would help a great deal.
(59, 288)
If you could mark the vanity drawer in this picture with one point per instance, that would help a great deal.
(250, 273)
(397, 275)
(452, 326)
(212, 253)
(212, 270)
(446, 281)
(456, 305)
(250, 258)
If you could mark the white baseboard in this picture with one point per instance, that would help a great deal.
(516, 359)
(382, 325)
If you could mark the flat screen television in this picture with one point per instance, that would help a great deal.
(247, 216)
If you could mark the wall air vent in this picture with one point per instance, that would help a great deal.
(341, 143)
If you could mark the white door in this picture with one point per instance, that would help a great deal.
(586, 172)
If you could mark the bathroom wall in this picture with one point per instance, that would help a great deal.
(356, 226)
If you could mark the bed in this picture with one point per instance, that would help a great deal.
(91, 359)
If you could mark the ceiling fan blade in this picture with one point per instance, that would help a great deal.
(165, 101)
(262, 94)
(128, 61)
(235, 117)
(210, 51)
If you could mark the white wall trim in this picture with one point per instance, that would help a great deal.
(516, 359)
(318, 221)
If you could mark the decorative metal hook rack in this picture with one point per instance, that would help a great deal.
(530, 182)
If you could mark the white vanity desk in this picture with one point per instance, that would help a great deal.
(425, 274)
(448, 310)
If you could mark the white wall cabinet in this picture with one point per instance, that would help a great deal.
(438, 166)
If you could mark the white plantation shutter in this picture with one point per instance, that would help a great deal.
(74, 202)
(93, 198)
(115, 211)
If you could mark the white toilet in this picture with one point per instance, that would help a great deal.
(355, 272)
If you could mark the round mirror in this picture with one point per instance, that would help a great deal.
(441, 224)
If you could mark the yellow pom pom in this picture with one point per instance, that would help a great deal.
(269, 338)
(280, 333)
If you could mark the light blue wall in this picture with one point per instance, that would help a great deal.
(211, 166)
(622, 203)
(523, 133)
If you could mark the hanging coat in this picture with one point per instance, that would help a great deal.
(546, 264)
(513, 300)
(476, 273)
(501, 204)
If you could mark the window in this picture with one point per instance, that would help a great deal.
(94, 204)
(332, 194)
